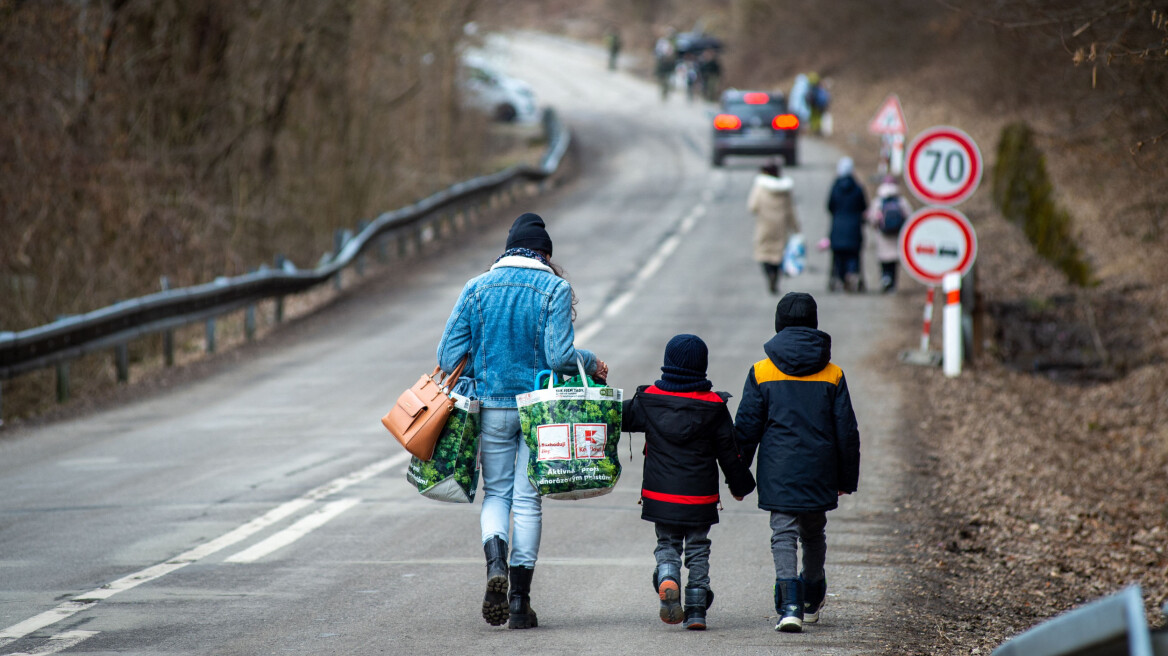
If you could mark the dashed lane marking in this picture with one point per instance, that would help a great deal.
(91, 598)
(58, 643)
(293, 532)
(651, 267)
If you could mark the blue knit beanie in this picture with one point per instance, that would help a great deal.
(686, 357)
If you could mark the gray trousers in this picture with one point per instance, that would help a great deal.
(787, 530)
(692, 542)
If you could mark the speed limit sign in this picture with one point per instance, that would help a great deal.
(943, 166)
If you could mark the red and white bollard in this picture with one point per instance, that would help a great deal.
(928, 320)
(951, 355)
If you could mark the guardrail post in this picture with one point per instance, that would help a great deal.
(210, 328)
(279, 261)
(403, 245)
(167, 335)
(338, 244)
(249, 317)
(382, 249)
(249, 323)
(419, 239)
(122, 362)
(971, 319)
(62, 382)
(360, 264)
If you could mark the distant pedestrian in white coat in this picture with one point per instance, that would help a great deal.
(773, 207)
(887, 214)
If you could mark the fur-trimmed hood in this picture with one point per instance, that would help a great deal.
(773, 184)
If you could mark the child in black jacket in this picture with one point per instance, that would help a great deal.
(797, 413)
(688, 433)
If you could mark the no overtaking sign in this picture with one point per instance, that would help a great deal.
(937, 241)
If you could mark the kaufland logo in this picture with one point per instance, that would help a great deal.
(590, 440)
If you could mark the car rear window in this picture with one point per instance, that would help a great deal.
(766, 111)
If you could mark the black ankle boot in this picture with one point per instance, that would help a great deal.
(522, 616)
(789, 605)
(495, 610)
(697, 600)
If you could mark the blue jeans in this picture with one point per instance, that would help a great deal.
(506, 489)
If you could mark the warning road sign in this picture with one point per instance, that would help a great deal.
(937, 241)
(890, 118)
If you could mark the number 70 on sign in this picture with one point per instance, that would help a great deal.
(943, 166)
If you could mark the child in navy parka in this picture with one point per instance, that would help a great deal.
(796, 411)
(688, 434)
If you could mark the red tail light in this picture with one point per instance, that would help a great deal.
(727, 122)
(755, 98)
(785, 122)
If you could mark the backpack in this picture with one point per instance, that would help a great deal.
(893, 215)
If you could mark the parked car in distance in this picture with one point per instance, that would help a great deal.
(755, 123)
(501, 96)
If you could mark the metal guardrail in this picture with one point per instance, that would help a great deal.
(115, 325)
(1112, 626)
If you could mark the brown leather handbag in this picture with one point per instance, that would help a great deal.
(420, 413)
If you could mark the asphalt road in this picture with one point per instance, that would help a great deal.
(265, 510)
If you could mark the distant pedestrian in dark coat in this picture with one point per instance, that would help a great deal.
(688, 434)
(796, 411)
(847, 204)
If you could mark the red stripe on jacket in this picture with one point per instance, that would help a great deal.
(700, 396)
(686, 499)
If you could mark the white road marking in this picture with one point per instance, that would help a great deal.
(651, 267)
(293, 532)
(87, 600)
(57, 643)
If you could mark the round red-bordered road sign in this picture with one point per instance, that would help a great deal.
(943, 166)
(937, 241)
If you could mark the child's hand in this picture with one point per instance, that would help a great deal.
(738, 498)
(840, 493)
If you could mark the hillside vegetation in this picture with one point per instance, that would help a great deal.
(193, 139)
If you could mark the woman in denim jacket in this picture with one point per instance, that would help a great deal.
(513, 321)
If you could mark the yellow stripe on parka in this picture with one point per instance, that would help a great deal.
(765, 371)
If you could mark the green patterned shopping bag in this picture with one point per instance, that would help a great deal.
(572, 431)
(452, 474)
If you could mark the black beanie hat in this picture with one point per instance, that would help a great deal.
(796, 309)
(686, 357)
(528, 232)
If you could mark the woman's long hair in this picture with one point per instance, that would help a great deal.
(559, 271)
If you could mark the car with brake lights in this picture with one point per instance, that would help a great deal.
(755, 123)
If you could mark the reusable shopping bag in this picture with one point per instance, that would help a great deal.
(452, 473)
(795, 255)
(572, 431)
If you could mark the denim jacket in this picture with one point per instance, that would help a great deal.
(515, 321)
